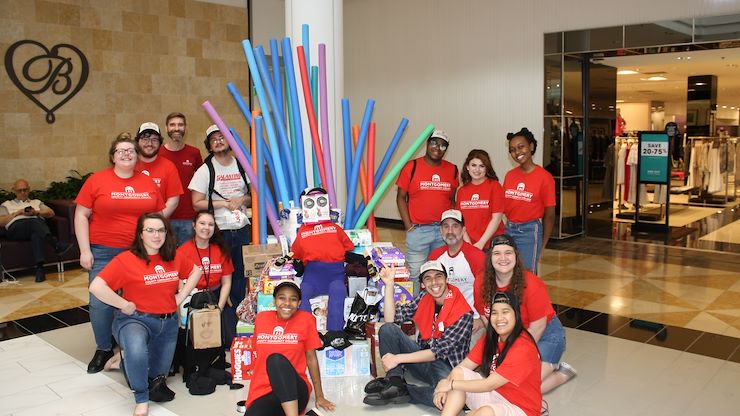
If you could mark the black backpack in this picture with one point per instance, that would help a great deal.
(212, 180)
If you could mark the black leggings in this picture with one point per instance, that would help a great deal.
(286, 385)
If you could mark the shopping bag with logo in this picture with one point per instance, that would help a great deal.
(205, 327)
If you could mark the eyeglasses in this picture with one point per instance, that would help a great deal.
(217, 139)
(23, 189)
(438, 144)
(121, 152)
(150, 230)
(149, 139)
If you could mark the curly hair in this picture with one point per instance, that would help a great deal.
(484, 158)
(524, 132)
(516, 286)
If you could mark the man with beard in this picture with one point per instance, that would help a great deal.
(187, 160)
(426, 188)
(220, 186)
(444, 321)
(161, 170)
(464, 262)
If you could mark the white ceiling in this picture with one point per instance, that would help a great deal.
(724, 63)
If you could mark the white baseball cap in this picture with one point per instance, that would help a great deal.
(149, 126)
(432, 265)
(452, 213)
(440, 134)
(212, 128)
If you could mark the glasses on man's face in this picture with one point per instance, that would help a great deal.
(438, 144)
(149, 138)
(121, 152)
(23, 190)
(217, 139)
(150, 230)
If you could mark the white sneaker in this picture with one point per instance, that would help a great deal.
(567, 370)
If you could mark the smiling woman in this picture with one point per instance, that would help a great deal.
(285, 343)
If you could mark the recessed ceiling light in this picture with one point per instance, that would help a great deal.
(620, 101)
(657, 78)
(701, 83)
(724, 106)
(626, 72)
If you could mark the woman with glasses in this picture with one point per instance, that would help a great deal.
(506, 272)
(145, 324)
(529, 199)
(480, 199)
(108, 206)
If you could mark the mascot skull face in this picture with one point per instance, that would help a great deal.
(315, 206)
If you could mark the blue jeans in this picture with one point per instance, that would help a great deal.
(236, 240)
(148, 344)
(528, 239)
(392, 340)
(325, 278)
(101, 314)
(552, 342)
(420, 241)
(183, 230)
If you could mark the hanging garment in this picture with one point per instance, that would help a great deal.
(632, 158)
(621, 157)
(714, 172)
(659, 194)
(608, 190)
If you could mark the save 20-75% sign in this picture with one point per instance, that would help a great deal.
(655, 149)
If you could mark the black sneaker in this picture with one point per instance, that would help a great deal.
(376, 385)
(391, 394)
(98, 361)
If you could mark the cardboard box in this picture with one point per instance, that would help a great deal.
(256, 256)
(361, 237)
(352, 361)
(403, 292)
(243, 357)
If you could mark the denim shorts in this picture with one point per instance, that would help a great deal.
(552, 342)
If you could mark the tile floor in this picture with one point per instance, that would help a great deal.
(651, 329)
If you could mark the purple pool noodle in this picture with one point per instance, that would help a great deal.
(243, 160)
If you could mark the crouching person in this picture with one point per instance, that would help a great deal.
(444, 321)
(145, 323)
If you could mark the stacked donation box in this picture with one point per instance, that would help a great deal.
(267, 265)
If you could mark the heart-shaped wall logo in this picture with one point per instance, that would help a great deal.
(48, 77)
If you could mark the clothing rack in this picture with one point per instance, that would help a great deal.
(726, 145)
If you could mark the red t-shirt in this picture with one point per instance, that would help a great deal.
(325, 242)
(430, 190)
(477, 204)
(216, 262)
(527, 194)
(521, 367)
(117, 204)
(152, 287)
(164, 174)
(186, 161)
(534, 306)
(291, 338)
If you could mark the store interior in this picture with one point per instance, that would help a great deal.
(694, 96)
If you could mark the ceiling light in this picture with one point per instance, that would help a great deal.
(657, 78)
(724, 106)
(620, 101)
(701, 83)
(626, 72)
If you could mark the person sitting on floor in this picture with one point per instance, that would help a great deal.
(445, 323)
(24, 220)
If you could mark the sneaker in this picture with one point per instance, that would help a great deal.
(545, 409)
(376, 385)
(391, 394)
(568, 371)
(98, 361)
(158, 390)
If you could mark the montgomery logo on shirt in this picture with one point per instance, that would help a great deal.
(129, 193)
(212, 267)
(156, 180)
(160, 276)
(474, 203)
(319, 229)
(435, 184)
(519, 193)
(187, 162)
(278, 336)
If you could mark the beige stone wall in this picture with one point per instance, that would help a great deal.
(147, 58)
